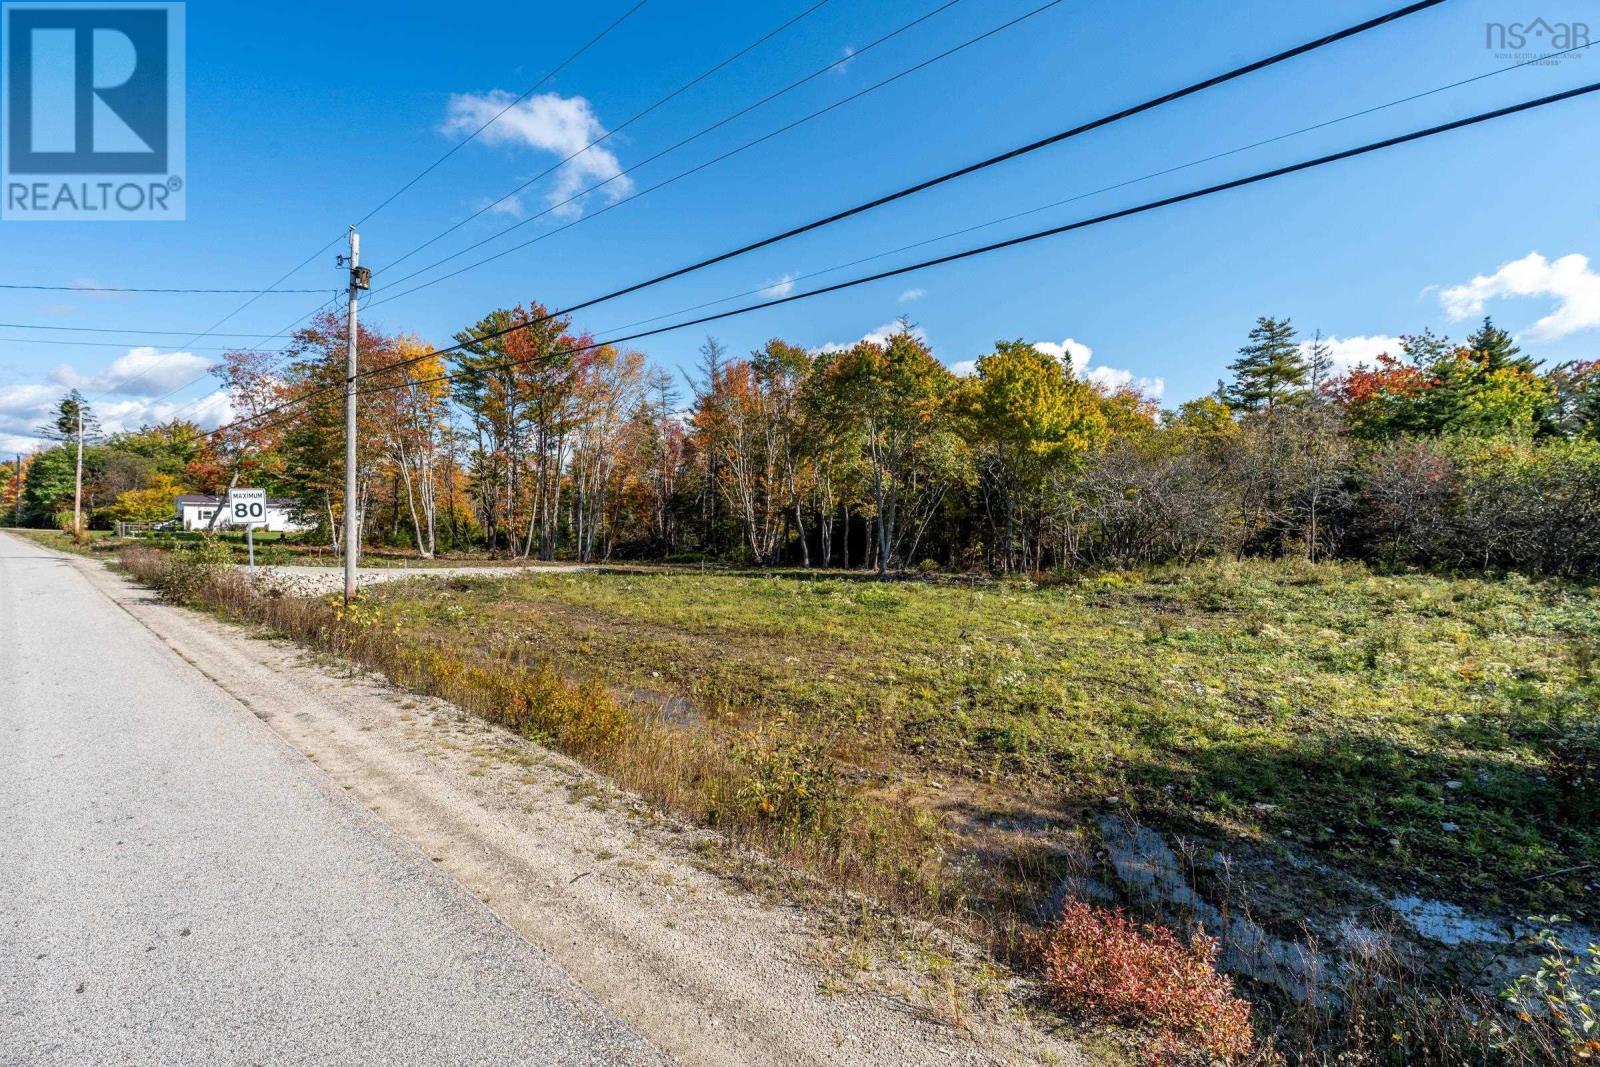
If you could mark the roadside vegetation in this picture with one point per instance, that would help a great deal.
(1325, 641)
(946, 746)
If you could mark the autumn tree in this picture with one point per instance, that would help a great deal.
(515, 378)
(1027, 417)
(1574, 410)
(409, 408)
(608, 389)
(895, 396)
(733, 423)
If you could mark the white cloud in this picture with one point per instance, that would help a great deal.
(548, 122)
(24, 408)
(1078, 355)
(509, 206)
(911, 295)
(143, 372)
(119, 397)
(1568, 280)
(1350, 352)
(847, 56)
(782, 287)
(876, 336)
(964, 368)
(1075, 353)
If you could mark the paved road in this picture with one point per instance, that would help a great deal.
(178, 886)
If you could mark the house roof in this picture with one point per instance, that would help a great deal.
(200, 500)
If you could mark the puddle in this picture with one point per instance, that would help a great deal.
(1451, 925)
(1149, 873)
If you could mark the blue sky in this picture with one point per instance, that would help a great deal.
(303, 117)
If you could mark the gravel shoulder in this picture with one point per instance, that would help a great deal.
(303, 580)
(615, 893)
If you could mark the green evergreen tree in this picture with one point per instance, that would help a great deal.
(64, 427)
(48, 486)
(1495, 350)
(1270, 370)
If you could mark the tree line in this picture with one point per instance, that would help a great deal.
(540, 444)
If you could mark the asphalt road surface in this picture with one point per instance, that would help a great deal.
(178, 886)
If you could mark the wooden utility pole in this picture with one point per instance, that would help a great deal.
(19, 490)
(360, 278)
(77, 488)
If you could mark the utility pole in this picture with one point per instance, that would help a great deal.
(360, 278)
(19, 489)
(77, 488)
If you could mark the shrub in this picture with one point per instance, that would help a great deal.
(788, 783)
(1100, 963)
(1558, 1002)
(192, 572)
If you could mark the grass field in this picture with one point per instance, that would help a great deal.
(1333, 755)
(1419, 731)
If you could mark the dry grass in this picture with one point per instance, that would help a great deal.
(760, 788)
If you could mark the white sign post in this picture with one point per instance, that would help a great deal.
(248, 508)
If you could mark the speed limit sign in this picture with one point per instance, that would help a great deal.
(247, 507)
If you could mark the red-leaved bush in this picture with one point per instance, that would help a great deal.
(1098, 962)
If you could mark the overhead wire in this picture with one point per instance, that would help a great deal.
(407, 186)
(613, 131)
(960, 172)
(541, 83)
(722, 157)
(131, 289)
(1012, 242)
(1110, 188)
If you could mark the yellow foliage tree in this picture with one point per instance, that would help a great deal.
(151, 504)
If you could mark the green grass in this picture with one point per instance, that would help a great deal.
(1402, 726)
(99, 541)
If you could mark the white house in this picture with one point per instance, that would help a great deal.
(194, 513)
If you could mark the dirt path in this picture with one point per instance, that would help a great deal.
(608, 888)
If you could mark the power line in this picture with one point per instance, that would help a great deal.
(124, 329)
(680, 90)
(557, 69)
(993, 160)
(867, 47)
(611, 133)
(398, 192)
(947, 4)
(107, 344)
(129, 289)
(1113, 187)
(960, 172)
(1056, 138)
(1169, 201)
(271, 288)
